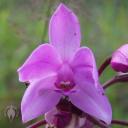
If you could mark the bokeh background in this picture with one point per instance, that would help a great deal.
(24, 25)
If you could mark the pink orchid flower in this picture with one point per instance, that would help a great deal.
(119, 60)
(62, 68)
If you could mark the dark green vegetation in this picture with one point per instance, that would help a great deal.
(23, 26)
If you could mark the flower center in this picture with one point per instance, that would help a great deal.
(65, 81)
(65, 85)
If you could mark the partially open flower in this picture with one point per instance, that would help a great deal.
(64, 119)
(119, 60)
(62, 68)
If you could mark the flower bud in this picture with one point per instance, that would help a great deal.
(59, 119)
(119, 60)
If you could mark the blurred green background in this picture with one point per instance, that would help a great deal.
(24, 25)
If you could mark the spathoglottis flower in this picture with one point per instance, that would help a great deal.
(60, 70)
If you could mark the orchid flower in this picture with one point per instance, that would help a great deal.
(61, 68)
(119, 60)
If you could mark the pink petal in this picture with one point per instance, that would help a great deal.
(64, 31)
(43, 60)
(39, 98)
(89, 96)
(119, 60)
(84, 66)
(92, 101)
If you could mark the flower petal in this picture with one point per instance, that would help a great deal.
(92, 101)
(84, 66)
(64, 31)
(39, 98)
(119, 60)
(43, 60)
(89, 96)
